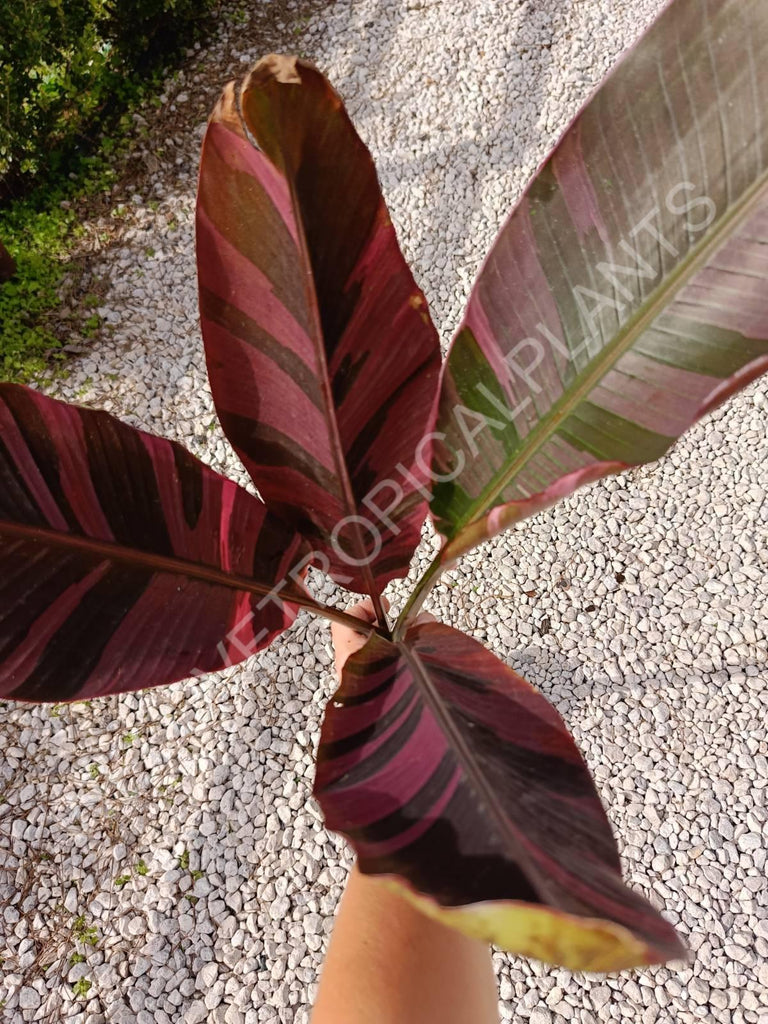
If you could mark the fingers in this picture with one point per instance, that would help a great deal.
(345, 639)
(424, 617)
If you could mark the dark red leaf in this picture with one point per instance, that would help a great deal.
(322, 357)
(124, 561)
(453, 776)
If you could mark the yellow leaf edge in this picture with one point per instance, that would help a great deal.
(540, 932)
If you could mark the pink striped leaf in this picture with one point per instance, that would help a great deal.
(322, 357)
(124, 561)
(456, 781)
(627, 294)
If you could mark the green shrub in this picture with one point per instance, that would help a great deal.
(146, 31)
(70, 72)
(38, 240)
(52, 64)
(69, 67)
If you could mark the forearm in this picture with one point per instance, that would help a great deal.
(389, 964)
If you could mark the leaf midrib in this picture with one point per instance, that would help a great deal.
(184, 567)
(151, 561)
(468, 761)
(612, 352)
(318, 340)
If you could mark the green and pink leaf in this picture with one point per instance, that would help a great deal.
(626, 295)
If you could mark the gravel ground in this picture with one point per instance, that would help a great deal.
(159, 858)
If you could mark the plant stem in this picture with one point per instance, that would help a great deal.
(193, 570)
(381, 615)
(417, 598)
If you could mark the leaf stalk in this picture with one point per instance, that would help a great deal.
(418, 596)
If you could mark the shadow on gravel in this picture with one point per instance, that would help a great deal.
(451, 176)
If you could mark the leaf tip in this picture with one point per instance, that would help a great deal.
(225, 112)
(281, 67)
(544, 933)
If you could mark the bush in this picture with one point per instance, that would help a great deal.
(52, 62)
(27, 299)
(66, 64)
(146, 31)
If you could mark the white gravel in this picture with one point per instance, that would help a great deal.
(158, 850)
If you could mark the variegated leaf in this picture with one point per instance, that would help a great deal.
(458, 781)
(627, 295)
(124, 561)
(322, 357)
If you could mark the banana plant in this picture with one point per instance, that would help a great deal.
(624, 298)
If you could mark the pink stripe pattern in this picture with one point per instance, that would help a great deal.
(122, 556)
(323, 360)
(446, 769)
(625, 296)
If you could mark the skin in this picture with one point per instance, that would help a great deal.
(389, 964)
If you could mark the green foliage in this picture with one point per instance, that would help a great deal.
(81, 988)
(69, 69)
(145, 31)
(51, 97)
(84, 932)
(52, 63)
(36, 239)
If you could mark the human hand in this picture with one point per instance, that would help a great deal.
(347, 640)
(387, 961)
